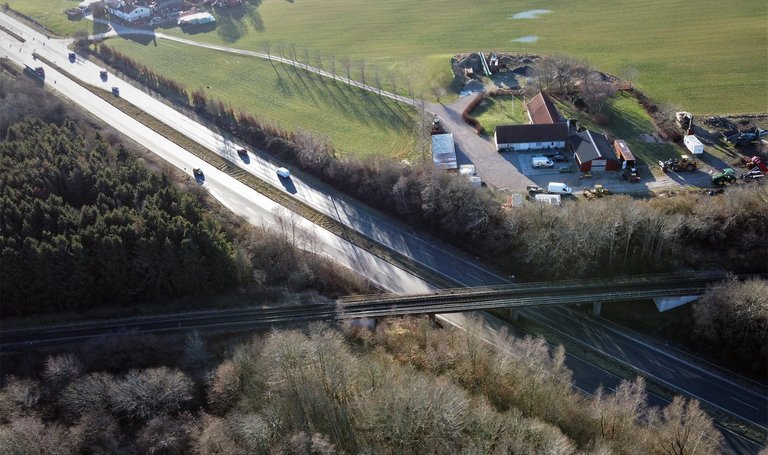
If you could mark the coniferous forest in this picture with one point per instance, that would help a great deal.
(83, 223)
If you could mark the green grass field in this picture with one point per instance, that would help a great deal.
(707, 59)
(705, 56)
(51, 13)
(354, 121)
(500, 110)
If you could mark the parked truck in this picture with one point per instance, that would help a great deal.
(38, 71)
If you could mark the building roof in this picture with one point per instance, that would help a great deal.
(519, 134)
(127, 9)
(623, 149)
(197, 17)
(444, 151)
(541, 110)
(590, 145)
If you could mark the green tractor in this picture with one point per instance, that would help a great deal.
(723, 178)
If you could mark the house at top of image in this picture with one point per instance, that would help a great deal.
(594, 152)
(531, 137)
(546, 130)
(129, 13)
(541, 110)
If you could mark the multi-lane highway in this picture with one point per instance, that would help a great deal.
(427, 251)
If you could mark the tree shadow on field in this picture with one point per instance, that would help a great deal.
(144, 40)
(232, 25)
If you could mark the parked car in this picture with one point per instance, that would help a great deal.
(534, 189)
(565, 169)
(283, 172)
(541, 162)
(559, 158)
(116, 91)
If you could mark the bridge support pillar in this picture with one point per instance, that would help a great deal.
(597, 307)
(513, 313)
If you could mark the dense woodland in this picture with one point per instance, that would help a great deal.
(84, 223)
(405, 388)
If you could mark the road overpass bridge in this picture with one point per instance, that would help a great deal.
(511, 297)
(683, 287)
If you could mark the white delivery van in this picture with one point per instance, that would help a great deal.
(541, 161)
(559, 188)
(693, 144)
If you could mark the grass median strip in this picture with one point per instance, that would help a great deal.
(300, 208)
(12, 33)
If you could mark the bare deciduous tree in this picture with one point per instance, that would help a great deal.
(224, 388)
(630, 74)
(438, 92)
(268, 49)
(61, 369)
(18, 397)
(86, 395)
(98, 433)
(196, 359)
(165, 435)
(148, 393)
(347, 64)
(596, 92)
(682, 428)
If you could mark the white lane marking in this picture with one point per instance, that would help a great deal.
(664, 366)
(744, 403)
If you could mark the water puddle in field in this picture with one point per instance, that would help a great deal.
(531, 14)
(526, 39)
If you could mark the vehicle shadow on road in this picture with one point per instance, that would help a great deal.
(288, 185)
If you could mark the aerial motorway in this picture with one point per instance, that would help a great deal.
(645, 357)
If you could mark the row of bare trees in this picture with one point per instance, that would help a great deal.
(406, 388)
(163, 85)
(570, 78)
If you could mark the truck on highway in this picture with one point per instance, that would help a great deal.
(37, 72)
